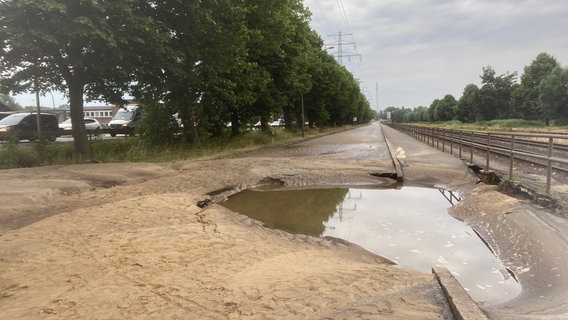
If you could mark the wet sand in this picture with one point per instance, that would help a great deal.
(128, 241)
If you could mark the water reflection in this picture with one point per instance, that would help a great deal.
(410, 226)
(295, 211)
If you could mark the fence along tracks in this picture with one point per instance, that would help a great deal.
(545, 151)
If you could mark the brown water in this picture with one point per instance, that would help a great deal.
(410, 226)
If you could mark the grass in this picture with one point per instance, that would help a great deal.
(134, 149)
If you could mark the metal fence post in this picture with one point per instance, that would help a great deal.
(452, 142)
(443, 140)
(471, 149)
(512, 157)
(460, 144)
(549, 164)
(488, 154)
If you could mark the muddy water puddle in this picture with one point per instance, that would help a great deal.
(410, 226)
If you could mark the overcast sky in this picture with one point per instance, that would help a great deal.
(421, 50)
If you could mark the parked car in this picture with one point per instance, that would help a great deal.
(90, 124)
(23, 126)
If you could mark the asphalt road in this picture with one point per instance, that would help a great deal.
(531, 241)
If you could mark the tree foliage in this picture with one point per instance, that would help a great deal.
(212, 63)
(468, 103)
(540, 95)
(525, 98)
(554, 95)
(444, 110)
(495, 95)
(10, 102)
(84, 48)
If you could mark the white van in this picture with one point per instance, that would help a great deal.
(126, 121)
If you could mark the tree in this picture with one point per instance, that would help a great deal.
(422, 114)
(10, 102)
(468, 103)
(445, 108)
(495, 95)
(200, 72)
(525, 98)
(432, 110)
(554, 95)
(87, 49)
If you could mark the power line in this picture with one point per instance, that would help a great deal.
(340, 45)
(323, 16)
(344, 15)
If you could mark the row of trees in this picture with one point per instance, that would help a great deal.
(541, 94)
(211, 62)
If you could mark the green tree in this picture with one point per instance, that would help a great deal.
(345, 97)
(525, 98)
(445, 108)
(318, 100)
(554, 96)
(231, 81)
(495, 95)
(87, 49)
(422, 114)
(468, 103)
(432, 110)
(10, 102)
(398, 114)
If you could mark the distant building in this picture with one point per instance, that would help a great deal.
(102, 113)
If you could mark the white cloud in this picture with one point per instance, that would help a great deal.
(420, 50)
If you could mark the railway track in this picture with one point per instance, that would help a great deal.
(548, 152)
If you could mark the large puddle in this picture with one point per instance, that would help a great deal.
(410, 226)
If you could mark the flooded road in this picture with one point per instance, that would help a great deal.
(526, 244)
(409, 226)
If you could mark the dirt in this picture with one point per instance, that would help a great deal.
(129, 240)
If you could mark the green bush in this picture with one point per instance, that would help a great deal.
(12, 156)
(515, 123)
(139, 149)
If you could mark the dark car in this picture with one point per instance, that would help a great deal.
(23, 126)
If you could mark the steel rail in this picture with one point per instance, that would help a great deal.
(551, 154)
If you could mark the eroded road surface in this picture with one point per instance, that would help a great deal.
(128, 241)
(531, 241)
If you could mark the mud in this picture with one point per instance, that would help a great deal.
(129, 241)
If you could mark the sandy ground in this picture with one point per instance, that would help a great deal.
(127, 241)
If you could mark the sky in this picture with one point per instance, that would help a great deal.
(417, 51)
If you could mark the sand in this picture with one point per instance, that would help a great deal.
(127, 241)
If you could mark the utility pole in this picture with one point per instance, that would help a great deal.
(377, 96)
(38, 114)
(340, 43)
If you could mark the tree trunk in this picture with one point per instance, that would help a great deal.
(190, 130)
(264, 123)
(82, 146)
(287, 119)
(235, 124)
